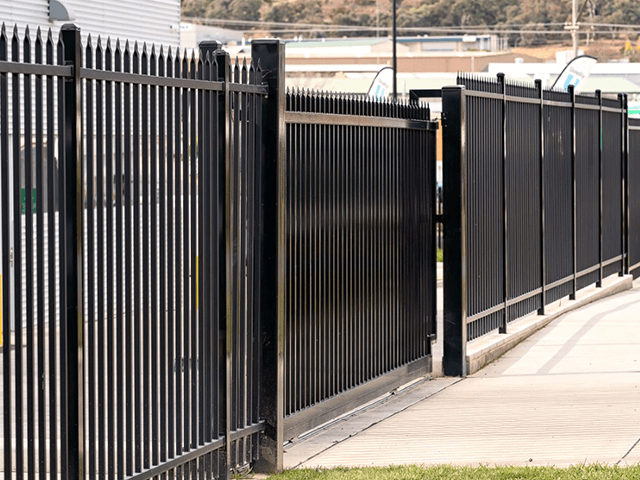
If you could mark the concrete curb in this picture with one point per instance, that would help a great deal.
(486, 349)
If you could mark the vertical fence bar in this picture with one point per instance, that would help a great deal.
(207, 304)
(270, 54)
(600, 192)
(119, 268)
(623, 176)
(455, 230)
(29, 291)
(149, 191)
(543, 270)
(257, 272)
(170, 367)
(91, 298)
(62, 267)
(128, 233)
(17, 265)
(72, 171)
(505, 199)
(7, 314)
(109, 313)
(158, 190)
(188, 201)
(572, 92)
(100, 205)
(226, 320)
(138, 226)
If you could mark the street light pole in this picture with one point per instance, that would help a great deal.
(574, 27)
(395, 56)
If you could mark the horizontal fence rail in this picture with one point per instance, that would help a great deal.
(359, 252)
(545, 213)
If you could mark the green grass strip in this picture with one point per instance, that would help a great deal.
(445, 472)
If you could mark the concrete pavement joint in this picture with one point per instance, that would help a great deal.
(338, 442)
(629, 451)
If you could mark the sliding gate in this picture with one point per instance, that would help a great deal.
(359, 252)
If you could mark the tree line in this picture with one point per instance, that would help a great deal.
(525, 22)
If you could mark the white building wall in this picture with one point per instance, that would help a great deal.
(151, 21)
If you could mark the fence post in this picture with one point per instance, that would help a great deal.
(543, 269)
(622, 98)
(505, 219)
(572, 93)
(227, 169)
(72, 210)
(270, 54)
(601, 242)
(454, 361)
(625, 146)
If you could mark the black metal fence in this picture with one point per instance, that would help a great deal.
(193, 269)
(198, 265)
(135, 354)
(359, 252)
(535, 202)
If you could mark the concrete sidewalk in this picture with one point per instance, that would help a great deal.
(568, 394)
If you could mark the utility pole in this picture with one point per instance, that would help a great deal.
(395, 53)
(574, 27)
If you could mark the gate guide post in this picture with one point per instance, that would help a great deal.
(271, 55)
(454, 361)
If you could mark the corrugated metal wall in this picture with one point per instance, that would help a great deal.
(151, 21)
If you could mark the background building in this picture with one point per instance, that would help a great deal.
(151, 21)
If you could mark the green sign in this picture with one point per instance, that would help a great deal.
(23, 203)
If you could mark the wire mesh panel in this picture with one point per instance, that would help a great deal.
(33, 291)
(360, 252)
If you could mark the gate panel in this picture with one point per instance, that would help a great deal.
(359, 252)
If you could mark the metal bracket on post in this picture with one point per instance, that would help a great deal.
(454, 361)
(271, 55)
(73, 212)
(543, 269)
(505, 230)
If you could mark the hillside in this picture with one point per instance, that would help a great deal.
(529, 23)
